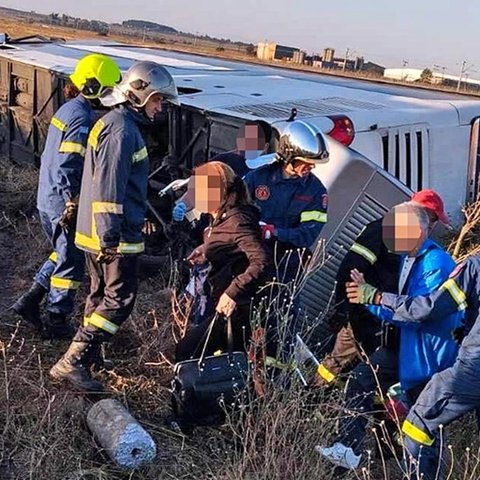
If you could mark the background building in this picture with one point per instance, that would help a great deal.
(273, 51)
(430, 76)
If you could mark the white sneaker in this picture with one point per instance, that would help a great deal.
(340, 455)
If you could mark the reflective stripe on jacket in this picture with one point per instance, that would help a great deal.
(297, 207)
(114, 185)
(62, 158)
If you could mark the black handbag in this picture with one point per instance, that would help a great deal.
(204, 389)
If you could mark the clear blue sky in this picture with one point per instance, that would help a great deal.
(423, 32)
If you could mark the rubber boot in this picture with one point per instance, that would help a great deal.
(74, 367)
(28, 305)
(57, 327)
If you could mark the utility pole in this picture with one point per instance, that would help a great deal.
(462, 71)
(144, 33)
(405, 63)
(439, 67)
(345, 59)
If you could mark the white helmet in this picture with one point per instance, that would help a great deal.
(142, 80)
(299, 140)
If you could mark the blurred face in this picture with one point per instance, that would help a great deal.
(299, 168)
(153, 106)
(251, 141)
(402, 233)
(205, 190)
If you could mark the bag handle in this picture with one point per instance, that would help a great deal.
(209, 332)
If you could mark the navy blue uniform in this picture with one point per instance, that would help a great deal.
(111, 215)
(235, 161)
(59, 182)
(456, 390)
(297, 207)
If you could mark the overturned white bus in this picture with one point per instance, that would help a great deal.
(384, 140)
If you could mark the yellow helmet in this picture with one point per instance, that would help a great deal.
(95, 75)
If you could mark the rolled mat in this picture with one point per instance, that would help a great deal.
(120, 435)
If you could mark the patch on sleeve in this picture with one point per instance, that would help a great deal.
(457, 270)
(324, 201)
(262, 192)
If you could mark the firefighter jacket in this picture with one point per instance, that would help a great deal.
(297, 207)
(236, 253)
(425, 347)
(114, 185)
(62, 158)
(369, 255)
(458, 294)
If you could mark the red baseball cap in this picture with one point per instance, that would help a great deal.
(430, 199)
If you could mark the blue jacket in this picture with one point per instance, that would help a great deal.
(297, 207)
(62, 158)
(425, 347)
(114, 185)
(460, 293)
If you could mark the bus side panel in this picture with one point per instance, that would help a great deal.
(359, 194)
(449, 167)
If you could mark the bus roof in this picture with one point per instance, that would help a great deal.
(252, 91)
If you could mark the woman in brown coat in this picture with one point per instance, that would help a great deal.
(233, 246)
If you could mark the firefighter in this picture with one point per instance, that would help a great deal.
(57, 200)
(111, 216)
(453, 392)
(293, 202)
(356, 324)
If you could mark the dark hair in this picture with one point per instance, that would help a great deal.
(235, 194)
(70, 91)
(265, 128)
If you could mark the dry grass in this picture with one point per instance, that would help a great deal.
(43, 434)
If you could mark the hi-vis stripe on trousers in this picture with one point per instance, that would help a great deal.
(113, 290)
(62, 273)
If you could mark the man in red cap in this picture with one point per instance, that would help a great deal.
(433, 203)
(422, 349)
(381, 267)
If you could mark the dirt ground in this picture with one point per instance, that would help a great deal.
(42, 425)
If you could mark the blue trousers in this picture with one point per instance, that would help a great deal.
(449, 395)
(62, 272)
(366, 379)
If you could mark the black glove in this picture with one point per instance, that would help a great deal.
(458, 334)
(68, 219)
(107, 255)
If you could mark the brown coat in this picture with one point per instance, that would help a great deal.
(238, 258)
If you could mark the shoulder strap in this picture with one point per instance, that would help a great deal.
(209, 332)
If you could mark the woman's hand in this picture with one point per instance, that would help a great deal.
(357, 276)
(197, 257)
(226, 305)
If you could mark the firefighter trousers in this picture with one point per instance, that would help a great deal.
(62, 273)
(113, 291)
(449, 395)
